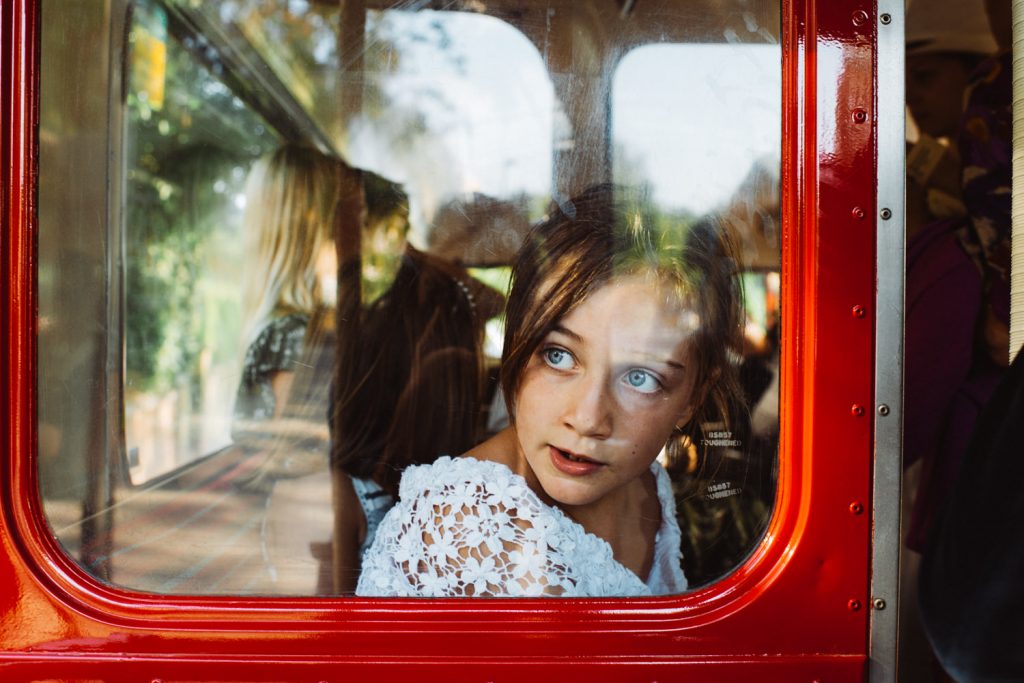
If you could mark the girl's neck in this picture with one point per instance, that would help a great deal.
(627, 518)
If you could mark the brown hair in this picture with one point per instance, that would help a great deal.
(593, 240)
(409, 388)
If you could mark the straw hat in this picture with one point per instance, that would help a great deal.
(948, 26)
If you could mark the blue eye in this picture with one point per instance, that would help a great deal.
(559, 359)
(642, 381)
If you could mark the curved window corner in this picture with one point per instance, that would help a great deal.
(276, 242)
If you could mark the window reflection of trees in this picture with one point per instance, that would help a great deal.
(189, 143)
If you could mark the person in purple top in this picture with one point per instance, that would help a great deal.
(958, 222)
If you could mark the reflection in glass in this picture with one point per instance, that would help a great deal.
(616, 360)
(723, 102)
(188, 144)
(191, 442)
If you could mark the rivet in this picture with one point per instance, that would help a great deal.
(856, 507)
(856, 410)
(858, 213)
(878, 603)
(886, 214)
(854, 605)
(859, 115)
(883, 410)
(860, 17)
(885, 19)
(858, 311)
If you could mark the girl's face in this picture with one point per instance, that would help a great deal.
(602, 393)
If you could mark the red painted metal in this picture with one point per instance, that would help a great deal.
(784, 615)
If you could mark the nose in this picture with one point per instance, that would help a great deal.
(590, 410)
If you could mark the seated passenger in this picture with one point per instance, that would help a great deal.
(615, 351)
(291, 198)
(407, 388)
(394, 361)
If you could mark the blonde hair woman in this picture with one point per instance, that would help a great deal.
(406, 367)
(293, 196)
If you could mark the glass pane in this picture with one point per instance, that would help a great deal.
(293, 254)
(724, 102)
(189, 143)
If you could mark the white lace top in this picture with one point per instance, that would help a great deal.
(465, 527)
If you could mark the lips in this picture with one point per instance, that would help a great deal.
(573, 464)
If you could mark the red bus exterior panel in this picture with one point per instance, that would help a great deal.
(797, 609)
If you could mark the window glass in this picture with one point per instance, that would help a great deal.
(723, 102)
(189, 142)
(275, 255)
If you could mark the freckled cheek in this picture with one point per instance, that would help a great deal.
(647, 435)
(634, 403)
(643, 450)
(537, 398)
(651, 409)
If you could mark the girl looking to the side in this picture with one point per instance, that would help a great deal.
(616, 349)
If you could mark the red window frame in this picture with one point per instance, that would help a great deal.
(797, 608)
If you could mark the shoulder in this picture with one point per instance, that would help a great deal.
(467, 477)
(449, 467)
(279, 343)
(467, 527)
(667, 576)
(283, 328)
(936, 249)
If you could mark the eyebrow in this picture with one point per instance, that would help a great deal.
(676, 365)
(562, 329)
(673, 364)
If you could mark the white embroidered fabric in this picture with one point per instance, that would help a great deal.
(468, 527)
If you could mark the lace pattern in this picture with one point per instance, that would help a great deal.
(467, 527)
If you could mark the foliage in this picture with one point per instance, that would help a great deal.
(188, 146)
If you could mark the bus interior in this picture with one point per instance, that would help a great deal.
(468, 120)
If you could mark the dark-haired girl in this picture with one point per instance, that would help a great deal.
(616, 349)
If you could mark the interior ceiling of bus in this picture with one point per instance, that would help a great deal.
(622, 23)
(582, 39)
(574, 36)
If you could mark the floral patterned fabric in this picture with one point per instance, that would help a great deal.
(277, 348)
(468, 527)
